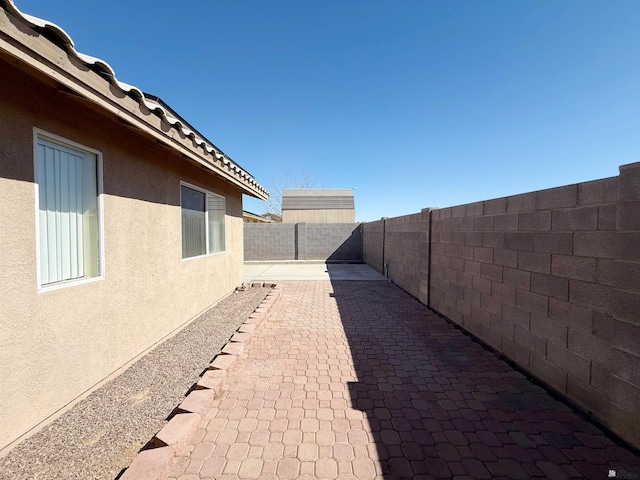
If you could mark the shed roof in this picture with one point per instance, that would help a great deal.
(317, 199)
(255, 216)
(94, 80)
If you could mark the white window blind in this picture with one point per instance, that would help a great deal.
(203, 222)
(193, 222)
(216, 212)
(67, 213)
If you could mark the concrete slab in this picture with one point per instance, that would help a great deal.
(309, 271)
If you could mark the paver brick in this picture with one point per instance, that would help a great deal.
(213, 380)
(177, 432)
(223, 362)
(151, 464)
(241, 337)
(233, 348)
(247, 328)
(358, 380)
(198, 401)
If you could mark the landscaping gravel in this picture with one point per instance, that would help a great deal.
(101, 435)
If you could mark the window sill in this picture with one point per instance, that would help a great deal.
(70, 283)
(204, 256)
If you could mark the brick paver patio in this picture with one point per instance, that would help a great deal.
(358, 380)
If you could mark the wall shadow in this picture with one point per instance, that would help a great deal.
(402, 395)
(439, 405)
(350, 250)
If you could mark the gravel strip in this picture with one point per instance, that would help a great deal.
(101, 435)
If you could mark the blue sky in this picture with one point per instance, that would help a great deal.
(415, 103)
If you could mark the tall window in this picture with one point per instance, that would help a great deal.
(68, 212)
(202, 222)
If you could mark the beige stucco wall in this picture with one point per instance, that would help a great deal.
(55, 345)
(319, 216)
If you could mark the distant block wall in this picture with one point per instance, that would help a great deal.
(302, 241)
(276, 242)
(334, 241)
(549, 278)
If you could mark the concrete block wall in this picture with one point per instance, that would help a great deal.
(373, 244)
(277, 242)
(399, 248)
(407, 253)
(549, 278)
(302, 241)
(333, 241)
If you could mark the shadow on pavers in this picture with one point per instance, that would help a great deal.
(439, 405)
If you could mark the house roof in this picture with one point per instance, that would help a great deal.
(95, 81)
(255, 216)
(317, 199)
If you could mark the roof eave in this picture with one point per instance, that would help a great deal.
(96, 84)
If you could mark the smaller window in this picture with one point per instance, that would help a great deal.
(203, 220)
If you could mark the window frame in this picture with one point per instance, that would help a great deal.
(70, 144)
(206, 221)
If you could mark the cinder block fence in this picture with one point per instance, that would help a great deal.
(333, 242)
(550, 278)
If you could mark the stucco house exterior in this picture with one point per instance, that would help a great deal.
(318, 205)
(118, 222)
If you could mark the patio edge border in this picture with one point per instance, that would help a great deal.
(155, 460)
